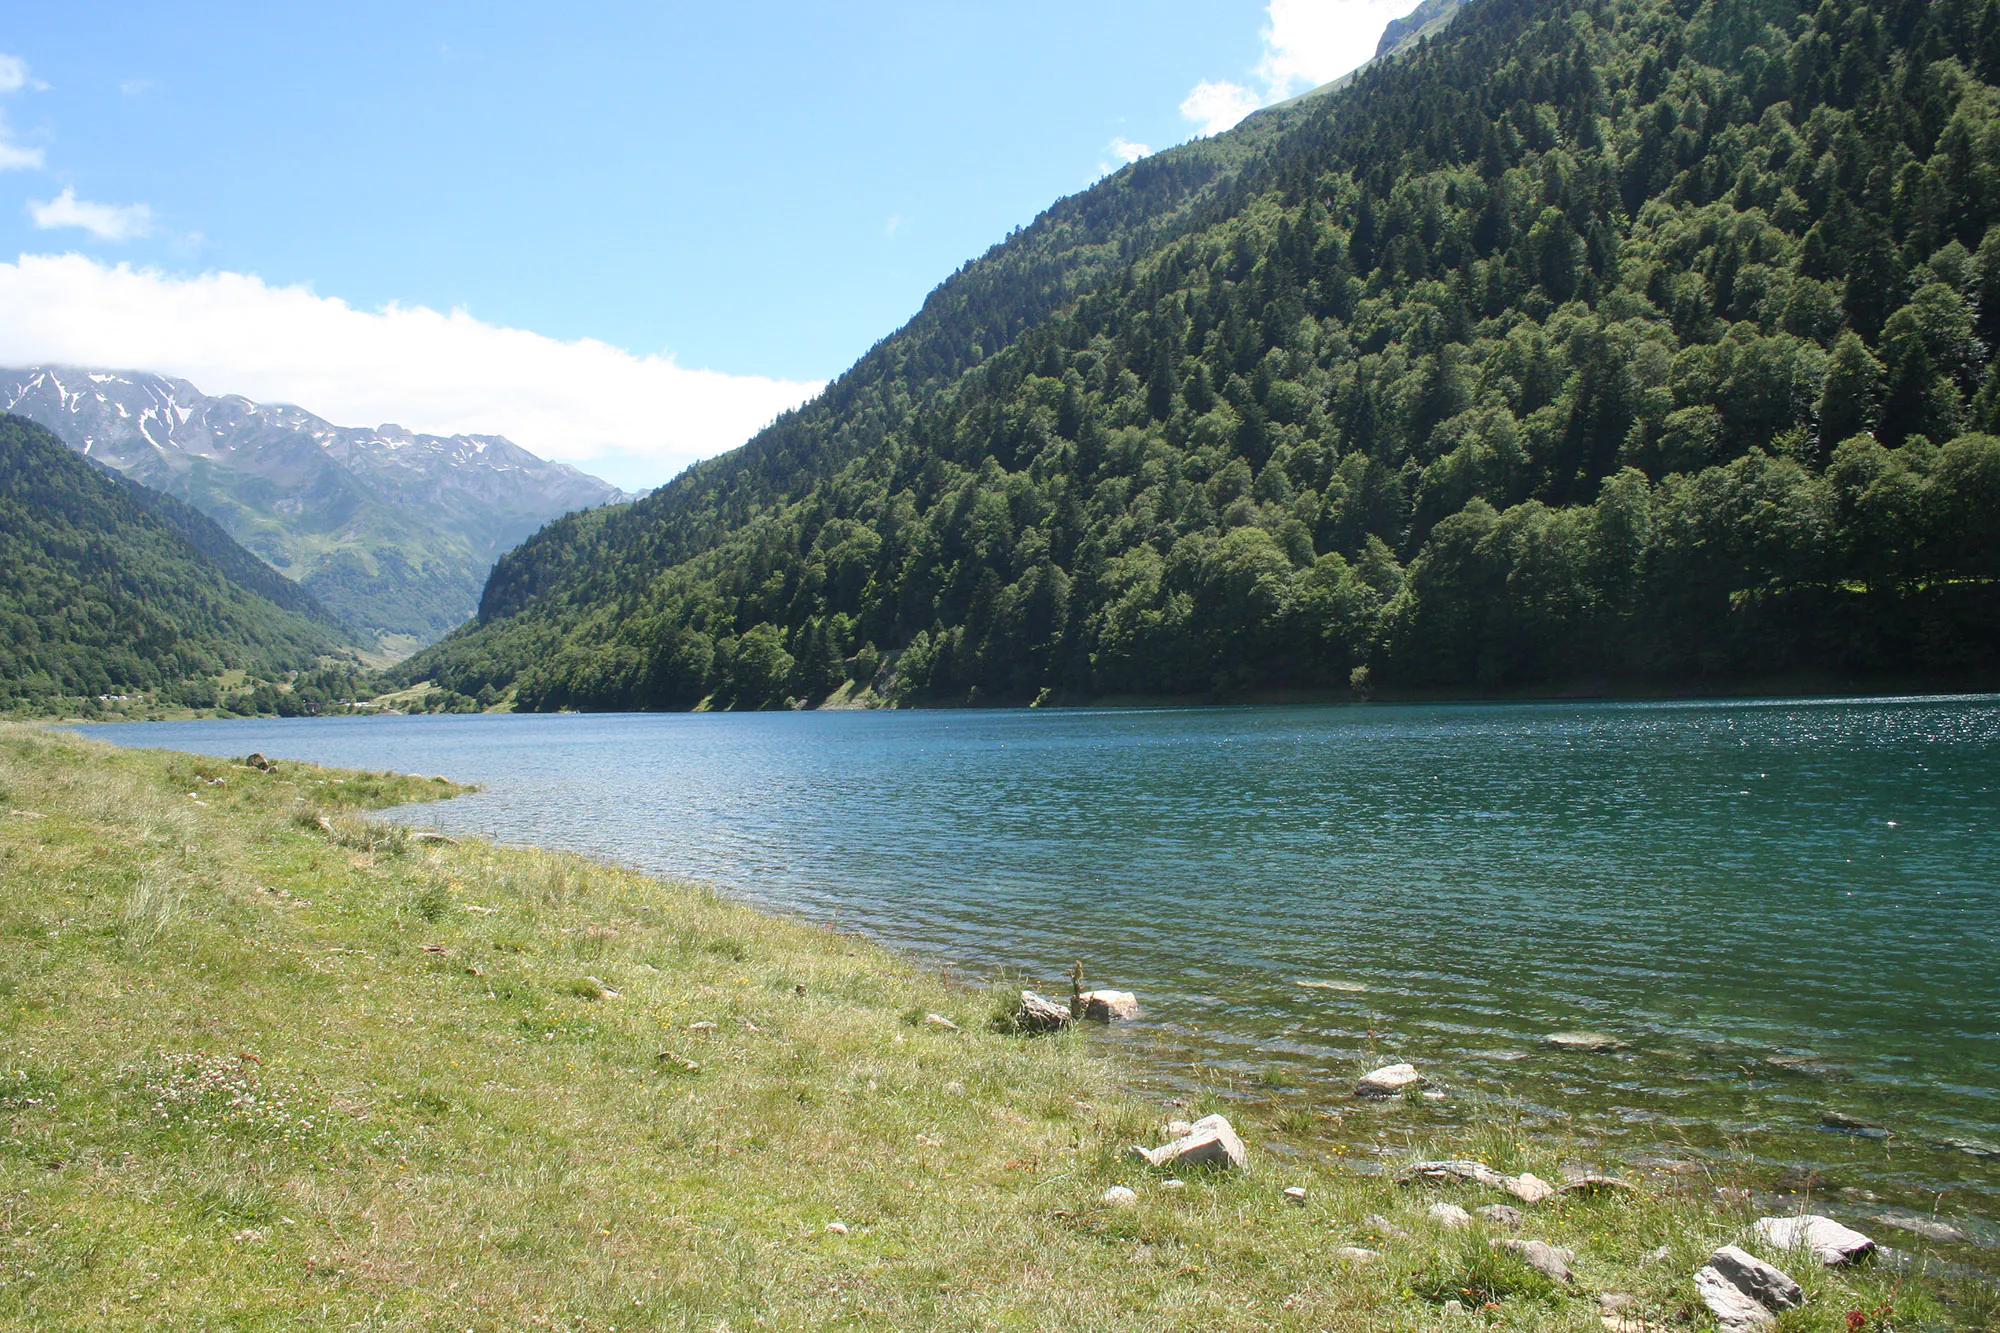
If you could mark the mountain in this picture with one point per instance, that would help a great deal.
(393, 531)
(1582, 342)
(1426, 19)
(106, 588)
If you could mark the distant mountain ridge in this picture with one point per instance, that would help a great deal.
(393, 530)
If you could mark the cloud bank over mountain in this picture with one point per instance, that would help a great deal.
(1306, 43)
(635, 420)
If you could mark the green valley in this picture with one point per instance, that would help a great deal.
(108, 589)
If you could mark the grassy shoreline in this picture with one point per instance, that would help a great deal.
(265, 1063)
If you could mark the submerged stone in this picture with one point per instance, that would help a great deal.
(1584, 1041)
(1842, 1123)
(1930, 1228)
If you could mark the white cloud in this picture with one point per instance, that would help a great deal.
(13, 78)
(14, 75)
(1127, 151)
(13, 157)
(636, 420)
(107, 222)
(1306, 43)
(1216, 105)
(134, 87)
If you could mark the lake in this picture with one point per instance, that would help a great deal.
(1784, 908)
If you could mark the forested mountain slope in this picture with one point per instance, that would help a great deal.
(1620, 339)
(393, 530)
(107, 589)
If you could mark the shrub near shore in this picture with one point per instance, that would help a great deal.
(264, 1063)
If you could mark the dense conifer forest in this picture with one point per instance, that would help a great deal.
(1617, 340)
(107, 588)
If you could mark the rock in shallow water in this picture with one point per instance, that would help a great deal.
(1387, 1081)
(1102, 1006)
(1038, 1013)
(1584, 1041)
(1829, 1241)
(1930, 1228)
(1972, 1147)
(1842, 1123)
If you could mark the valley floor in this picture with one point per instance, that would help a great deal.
(264, 1063)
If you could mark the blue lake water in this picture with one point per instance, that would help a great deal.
(1299, 894)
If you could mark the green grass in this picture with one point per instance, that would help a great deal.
(260, 1072)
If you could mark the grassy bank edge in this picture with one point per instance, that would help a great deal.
(264, 1061)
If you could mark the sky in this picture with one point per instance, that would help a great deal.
(623, 235)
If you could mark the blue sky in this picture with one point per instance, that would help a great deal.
(758, 191)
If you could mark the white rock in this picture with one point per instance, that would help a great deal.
(1173, 1184)
(1551, 1260)
(1387, 1081)
(1118, 1196)
(1450, 1215)
(1743, 1292)
(1355, 1254)
(1528, 1187)
(941, 1022)
(1102, 1006)
(1382, 1226)
(1734, 1310)
(836, 1228)
(1040, 1014)
(1296, 1193)
(1829, 1241)
(1209, 1141)
(1453, 1168)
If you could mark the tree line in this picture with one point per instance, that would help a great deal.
(1643, 339)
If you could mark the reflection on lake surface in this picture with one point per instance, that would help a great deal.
(1296, 893)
